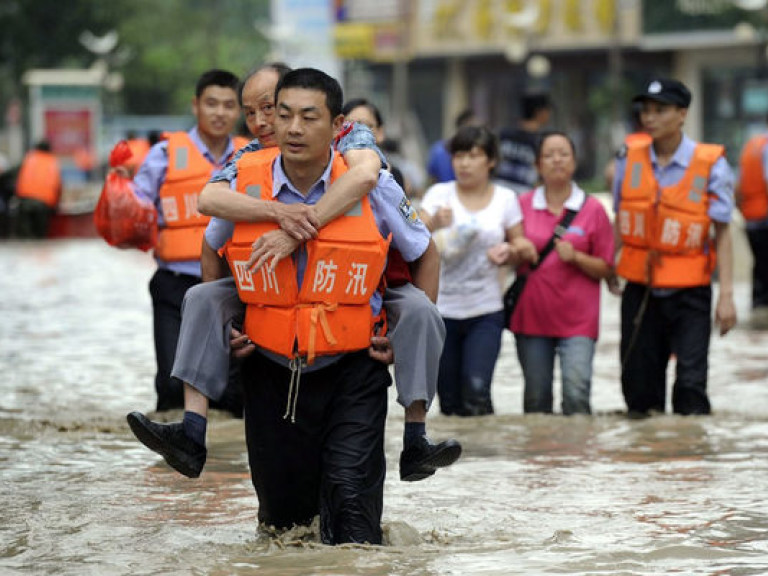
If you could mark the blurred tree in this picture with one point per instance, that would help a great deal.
(44, 34)
(170, 43)
(174, 41)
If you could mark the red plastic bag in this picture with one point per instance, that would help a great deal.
(121, 218)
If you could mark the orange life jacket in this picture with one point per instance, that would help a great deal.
(239, 142)
(330, 312)
(665, 231)
(40, 178)
(752, 185)
(188, 171)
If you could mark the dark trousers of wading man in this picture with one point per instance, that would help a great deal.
(677, 323)
(325, 457)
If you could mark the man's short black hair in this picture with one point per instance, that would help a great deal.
(216, 77)
(530, 104)
(350, 105)
(279, 67)
(314, 79)
(464, 117)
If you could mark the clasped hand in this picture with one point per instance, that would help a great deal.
(242, 346)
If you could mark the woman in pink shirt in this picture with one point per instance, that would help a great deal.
(559, 310)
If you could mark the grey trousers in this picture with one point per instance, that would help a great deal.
(202, 352)
(416, 331)
(417, 334)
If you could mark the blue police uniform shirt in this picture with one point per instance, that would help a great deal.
(150, 178)
(391, 210)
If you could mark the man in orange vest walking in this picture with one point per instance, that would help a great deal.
(752, 200)
(38, 187)
(669, 192)
(171, 177)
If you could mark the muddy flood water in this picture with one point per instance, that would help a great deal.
(531, 495)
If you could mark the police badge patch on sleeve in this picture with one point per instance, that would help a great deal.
(408, 212)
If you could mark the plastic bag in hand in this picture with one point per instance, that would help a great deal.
(121, 218)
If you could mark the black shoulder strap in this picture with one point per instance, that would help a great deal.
(560, 231)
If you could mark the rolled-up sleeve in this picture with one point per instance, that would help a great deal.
(721, 191)
(360, 137)
(218, 232)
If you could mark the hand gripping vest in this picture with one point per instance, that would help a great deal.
(754, 192)
(188, 171)
(664, 231)
(330, 312)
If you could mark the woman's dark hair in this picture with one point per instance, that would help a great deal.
(468, 137)
(350, 105)
(548, 134)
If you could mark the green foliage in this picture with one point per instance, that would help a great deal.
(171, 43)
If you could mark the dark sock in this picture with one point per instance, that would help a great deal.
(195, 427)
(413, 430)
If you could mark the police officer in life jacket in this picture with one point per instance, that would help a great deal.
(752, 200)
(670, 193)
(171, 177)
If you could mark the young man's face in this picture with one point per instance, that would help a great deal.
(661, 120)
(216, 111)
(259, 106)
(304, 127)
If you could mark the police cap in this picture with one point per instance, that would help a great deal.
(667, 91)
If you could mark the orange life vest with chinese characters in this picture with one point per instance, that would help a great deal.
(752, 185)
(188, 171)
(40, 178)
(665, 231)
(330, 312)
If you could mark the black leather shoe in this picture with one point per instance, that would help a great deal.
(168, 440)
(422, 458)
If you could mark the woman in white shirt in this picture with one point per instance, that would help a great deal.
(468, 217)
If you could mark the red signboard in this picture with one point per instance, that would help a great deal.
(68, 130)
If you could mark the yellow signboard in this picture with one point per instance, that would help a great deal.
(354, 41)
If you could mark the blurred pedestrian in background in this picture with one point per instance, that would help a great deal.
(558, 312)
(517, 146)
(668, 192)
(38, 187)
(467, 217)
(752, 200)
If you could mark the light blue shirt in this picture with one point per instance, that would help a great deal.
(150, 178)
(392, 212)
(719, 186)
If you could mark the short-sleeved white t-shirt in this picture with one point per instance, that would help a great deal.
(469, 284)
